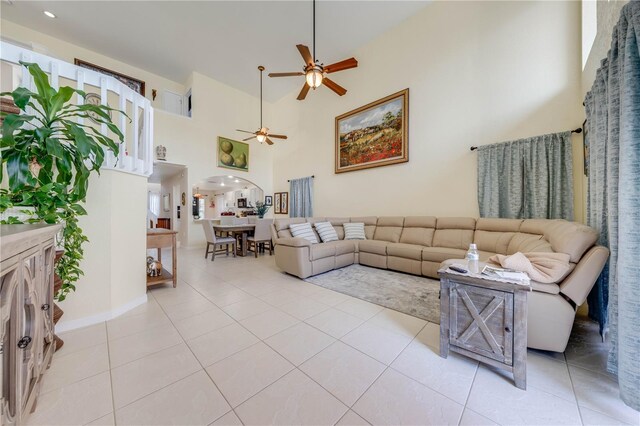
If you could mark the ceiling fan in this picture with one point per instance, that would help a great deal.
(262, 134)
(315, 72)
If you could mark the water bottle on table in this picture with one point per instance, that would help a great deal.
(473, 259)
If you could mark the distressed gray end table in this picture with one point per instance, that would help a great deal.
(486, 320)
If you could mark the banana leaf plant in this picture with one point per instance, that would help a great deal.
(48, 156)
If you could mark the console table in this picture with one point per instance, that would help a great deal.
(159, 238)
(486, 320)
(27, 341)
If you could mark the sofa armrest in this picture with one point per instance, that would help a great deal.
(293, 242)
(580, 282)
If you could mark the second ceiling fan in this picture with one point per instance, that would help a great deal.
(314, 71)
(262, 134)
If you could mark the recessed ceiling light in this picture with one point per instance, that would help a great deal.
(221, 183)
(49, 14)
(237, 181)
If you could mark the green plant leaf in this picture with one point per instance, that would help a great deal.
(59, 99)
(21, 97)
(41, 80)
(18, 170)
(54, 148)
(11, 123)
(83, 143)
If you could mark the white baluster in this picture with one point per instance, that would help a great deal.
(135, 134)
(55, 78)
(80, 86)
(149, 170)
(123, 126)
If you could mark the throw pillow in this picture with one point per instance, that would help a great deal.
(303, 230)
(326, 231)
(354, 231)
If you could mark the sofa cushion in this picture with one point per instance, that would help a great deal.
(545, 288)
(493, 234)
(389, 229)
(369, 224)
(418, 230)
(337, 225)
(354, 231)
(326, 231)
(454, 232)
(571, 238)
(528, 243)
(320, 251)
(440, 254)
(406, 251)
(498, 225)
(497, 242)
(303, 230)
(343, 246)
(282, 226)
(373, 246)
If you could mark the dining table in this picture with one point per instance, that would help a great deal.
(241, 231)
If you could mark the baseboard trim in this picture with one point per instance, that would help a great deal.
(101, 317)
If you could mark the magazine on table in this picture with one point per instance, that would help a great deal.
(505, 274)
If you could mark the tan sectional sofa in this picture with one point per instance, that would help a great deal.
(419, 244)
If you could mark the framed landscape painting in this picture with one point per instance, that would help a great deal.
(373, 135)
(233, 154)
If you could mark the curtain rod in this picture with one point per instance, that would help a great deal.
(313, 176)
(578, 130)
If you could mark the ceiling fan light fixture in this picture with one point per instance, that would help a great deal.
(314, 77)
(261, 138)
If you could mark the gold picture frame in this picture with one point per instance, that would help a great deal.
(232, 154)
(374, 135)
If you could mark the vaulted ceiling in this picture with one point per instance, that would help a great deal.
(225, 40)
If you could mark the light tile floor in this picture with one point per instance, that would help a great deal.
(239, 342)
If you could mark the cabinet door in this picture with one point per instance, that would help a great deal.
(30, 340)
(10, 306)
(46, 305)
(481, 321)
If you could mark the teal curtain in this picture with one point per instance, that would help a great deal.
(301, 197)
(527, 178)
(613, 143)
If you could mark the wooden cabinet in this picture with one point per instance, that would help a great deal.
(26, 316)
(158, 239)
(485, 320)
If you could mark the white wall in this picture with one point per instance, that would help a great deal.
(114, 266)
(218, 110)
(478, 73)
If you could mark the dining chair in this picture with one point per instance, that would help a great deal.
(216, 242)
(261, 236)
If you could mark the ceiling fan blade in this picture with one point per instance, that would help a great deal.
(303, 92)
(334, 86)
(244, 140)
(342, 65)
(269, 141)
(245, 131)
(306, 54)
(277, 136)
(285, 74)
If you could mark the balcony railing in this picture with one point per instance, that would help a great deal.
(136, 152)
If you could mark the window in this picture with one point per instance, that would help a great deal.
(589, 27)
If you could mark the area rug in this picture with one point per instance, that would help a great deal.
(412, 295)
